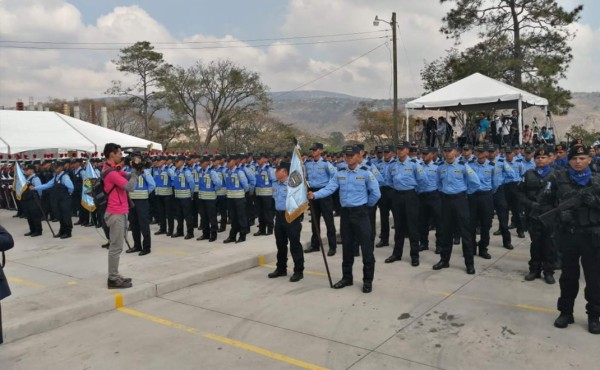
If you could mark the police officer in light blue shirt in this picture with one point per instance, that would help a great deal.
(62, 188)
(358, 191)
(528, 159)
(406, 176)
(501, 171)
(430, 202)
(30, 204)
(387, 195)
(318, 174)
(455, 178)
(511, 182)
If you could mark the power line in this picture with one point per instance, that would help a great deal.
(191, 42)
(192, 48)
(333, 70)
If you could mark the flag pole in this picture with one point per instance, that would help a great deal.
(318, 228)
(37, 201)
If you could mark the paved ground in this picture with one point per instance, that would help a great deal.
(414, 318)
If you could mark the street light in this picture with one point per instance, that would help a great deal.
(392, 24)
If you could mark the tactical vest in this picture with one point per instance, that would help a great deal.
(535, 186)
(583, 216)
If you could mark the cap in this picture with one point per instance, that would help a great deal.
(481, 148)
(386, 148)
(449, 147)
(205, 158)
(576, 150)
(540, 151)
(361, 146)
(427, 150)
(467, 147)
(180, 158)
(508, 149)
(403, 144)
(528, 150)
(561, 147)
(285, 165)
(30, 166)
(379, 149)
(316, 146)
(351, 149)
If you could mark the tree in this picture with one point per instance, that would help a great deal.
(231, 93)
(588, 137)
(523, 43)
(374, 125)
(147, 66)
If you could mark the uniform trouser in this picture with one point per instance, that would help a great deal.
(251, 208)
(322, 207)
(183, 211)
(455, 213)
(355, 226)
(584, 246)
(65, 212)
(33, 214)
(285, 232)
(264, 208)
(481, 211)
(502, 212)
(543, 255)
(430, 209)
(195, 211)
(511, 191)
(47, 203)
(76, 201)
(208, 217)
(153, 207)
(336, 201)
(165, 212)
(84, 214)
(139, 218)
(54, 204)
(222, 209)
(405, 208)
(385, 206)
(236, 208)
(372, 213)
(117, 225)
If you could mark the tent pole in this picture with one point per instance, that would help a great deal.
(407, 125)
(520, 121)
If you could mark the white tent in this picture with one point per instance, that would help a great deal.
(478, 92)
(22, 131)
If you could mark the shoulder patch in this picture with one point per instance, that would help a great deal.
(364, 168)
(413, 160)
(461, 162)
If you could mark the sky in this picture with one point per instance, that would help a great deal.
(357, 61)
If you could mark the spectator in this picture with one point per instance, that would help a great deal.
(484, 125)
(527, 136)
(440, 132)
(117, 185)
(504, 130)
(6, 243)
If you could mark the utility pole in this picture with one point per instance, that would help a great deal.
(395, 61)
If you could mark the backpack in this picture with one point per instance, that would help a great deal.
(98, 194)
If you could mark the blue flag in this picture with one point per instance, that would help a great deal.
(297, 201)
(20, 182)
(89, 179)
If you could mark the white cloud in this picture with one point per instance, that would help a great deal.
(69, 74)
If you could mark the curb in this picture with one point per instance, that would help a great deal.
(101, 302)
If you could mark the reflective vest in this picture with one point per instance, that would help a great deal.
(233, 184)
(223, 190)
(141, 189)
(163, 182)
(180, 185)
(264, 187)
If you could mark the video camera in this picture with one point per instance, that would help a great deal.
(144, 162)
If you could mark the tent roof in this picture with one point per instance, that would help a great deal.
(31, 130)
(476, 92)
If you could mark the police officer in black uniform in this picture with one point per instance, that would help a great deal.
(575, 195)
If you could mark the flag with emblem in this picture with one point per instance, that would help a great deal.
(20, 182)
(297, 200)
(87, 199)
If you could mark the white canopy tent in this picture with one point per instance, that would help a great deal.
(22, 131)
(477, 92)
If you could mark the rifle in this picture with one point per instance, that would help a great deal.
(549, 218)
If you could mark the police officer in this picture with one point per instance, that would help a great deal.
(358, 190)
(62, 188)
(237, 185)
(406, 175)
(481, 200)
(183, 184)
(511, 183)
(578, 234)
(139, 215)
(455, 178)
(318, 174)
(528, 159)
(219, 167)
(501, 171)
(208, 184)
(561, 156)
(164, 198)
(265, 177)
(247, 164)
(31, 205)
(286, 231)
(387, 193)
(75, 173)
(535, 183)
(430, 201)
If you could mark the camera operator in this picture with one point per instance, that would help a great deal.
(117, 185)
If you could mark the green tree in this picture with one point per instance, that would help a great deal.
(375, 126)
(147, 67)
(588, 137)
(523, 43)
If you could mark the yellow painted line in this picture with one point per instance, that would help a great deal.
(220, 339)
(264, 352)
(157, 320)
(118, 299)
(71, 283)
(315, 273)
(534, 308)
(24, 282)
(171, 251)
(261, 260)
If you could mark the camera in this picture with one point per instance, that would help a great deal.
(144, 162)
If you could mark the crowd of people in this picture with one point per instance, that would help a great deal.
(550, 191)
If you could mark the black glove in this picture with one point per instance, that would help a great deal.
(589, 199)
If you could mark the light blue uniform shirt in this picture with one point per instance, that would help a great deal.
(36, 182)
(406, 175)
(457, 177)
(383, 169)
(357, 187)
(280, 195)
(431, 178)
(65, 180)
(518, 171)
(485, 173)
(529, 164)
(318, 173)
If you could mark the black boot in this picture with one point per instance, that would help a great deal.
(549, 278)
(593, 324)
(533, 275)
(564, 320)
(241, 239)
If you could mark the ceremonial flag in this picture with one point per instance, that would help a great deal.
(20, 182)
(90, 177)
(297, 201)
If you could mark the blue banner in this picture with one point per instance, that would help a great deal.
(297, 201)
(89, 179)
